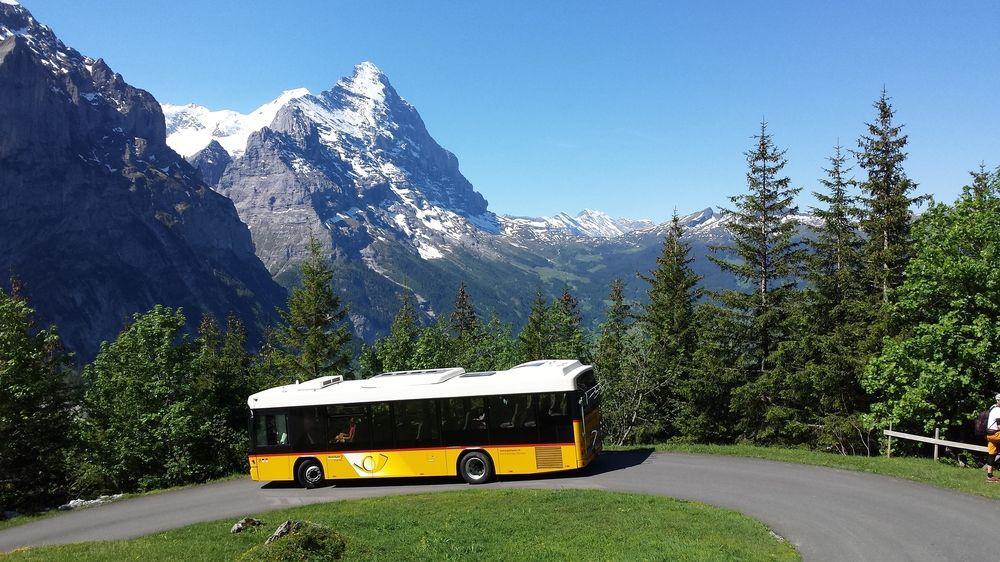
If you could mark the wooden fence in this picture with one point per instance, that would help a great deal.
(932, 440)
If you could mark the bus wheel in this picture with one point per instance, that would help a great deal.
(309, 474)
(476, 468)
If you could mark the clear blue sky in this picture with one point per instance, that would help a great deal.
(632, 108)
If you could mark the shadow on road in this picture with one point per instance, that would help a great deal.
(608, 461)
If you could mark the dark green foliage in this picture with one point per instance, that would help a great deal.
(609, 364)
(763, 256)
(886, 199)
(944, 366)
(464, 321)
(565, 324)
(36, 403)
(307, 541)
(148, 420)
(313, 337)
(667, 318)
(535, 339)
(226, 374)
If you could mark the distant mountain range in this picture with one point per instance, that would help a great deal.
(111, 219)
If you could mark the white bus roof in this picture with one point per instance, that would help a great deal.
(533, 377)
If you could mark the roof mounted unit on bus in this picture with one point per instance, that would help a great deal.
(412, 378)
(319, 383)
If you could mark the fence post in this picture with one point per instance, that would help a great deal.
(888, 446)
(935, 444)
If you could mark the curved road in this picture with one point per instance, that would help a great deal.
(828, 514)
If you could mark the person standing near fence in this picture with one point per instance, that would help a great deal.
(993, 440)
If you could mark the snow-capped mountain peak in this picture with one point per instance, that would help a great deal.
(588, 223)
(367, 81)
(191, 127)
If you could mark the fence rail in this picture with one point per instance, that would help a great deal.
(932, 440)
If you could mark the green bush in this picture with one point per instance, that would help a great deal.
(307, 542)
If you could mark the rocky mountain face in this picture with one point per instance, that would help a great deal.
(356, 167)
(100, 217)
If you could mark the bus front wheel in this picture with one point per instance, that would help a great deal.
(476, 468)
(309, 474)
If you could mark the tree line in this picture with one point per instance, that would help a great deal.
(866, 316)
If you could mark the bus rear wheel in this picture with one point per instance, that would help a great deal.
(476, 468)
(309, 474)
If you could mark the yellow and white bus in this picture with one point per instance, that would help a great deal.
(542, 416)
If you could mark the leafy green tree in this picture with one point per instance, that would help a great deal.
(148, 422)
(35, 407)
(435, 346)
(225, 377)
(944, 366)
(313, 338)
(667, 319)
(886, 196)
(397, 351)
(764, 256)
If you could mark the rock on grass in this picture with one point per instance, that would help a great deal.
(299, 540)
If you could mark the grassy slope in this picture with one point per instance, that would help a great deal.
(479, 524)
(928, 471)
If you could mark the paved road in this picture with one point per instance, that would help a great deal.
(827, 514)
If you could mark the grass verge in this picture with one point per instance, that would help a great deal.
(928, 471)
(480, 524)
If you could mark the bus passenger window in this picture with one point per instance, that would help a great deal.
(348, 427)
(513, 419)
(463, 421)
(416, 423)
(554, 420)
(270, 430)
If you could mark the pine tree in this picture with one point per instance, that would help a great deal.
(767, 259)
(535, 339)
(36, 407)
(610, 362)
(464, 321)
(668, 322)
(886, 199)
(820, 368)
(313, 337)
(568, 338)
(435, 347)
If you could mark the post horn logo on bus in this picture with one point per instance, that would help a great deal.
(368, 463)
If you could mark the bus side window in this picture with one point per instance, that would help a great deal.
(513, 419)
(417, 423)
(348, 427)
(382, 426)
(463, 421)
(554, 420)
(271, 430)
(310, 430)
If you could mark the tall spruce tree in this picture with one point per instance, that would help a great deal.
(313, 337)
(886, 196)
(569, 340)
(763, 255)
(535, 339)
(464, 321)
(36, 407)
(820, 368)
(610, 362)
(667, 319)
